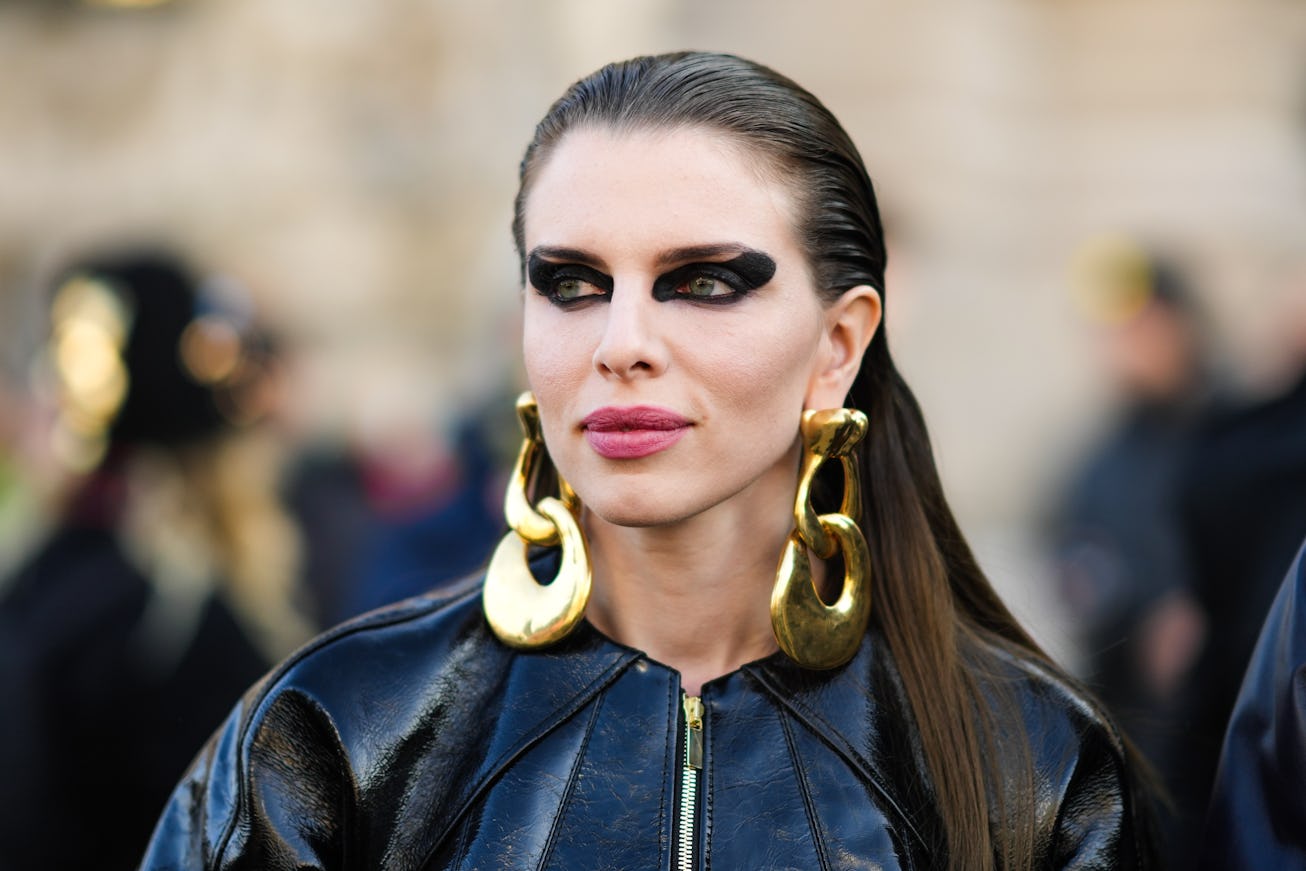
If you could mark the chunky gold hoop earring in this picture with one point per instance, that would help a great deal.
(522, 612)
(810, 632)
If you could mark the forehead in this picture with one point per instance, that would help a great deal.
(676, 186)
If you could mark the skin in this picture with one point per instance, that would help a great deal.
(684, 542)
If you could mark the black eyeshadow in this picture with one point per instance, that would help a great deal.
(744, 273)
(753, 268)
(544, 274)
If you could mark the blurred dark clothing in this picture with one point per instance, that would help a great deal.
(324, 493)
(1258, 808)
(374, 537)
(1119, 551)
(100, 713)
(1244, 515)
(447, 537)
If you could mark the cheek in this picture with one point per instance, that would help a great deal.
(555, 363)
(551, 350)
(767, 368)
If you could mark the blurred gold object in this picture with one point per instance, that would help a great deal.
(813, 634)
(522, 612)
(1112, 279)
(210, 349)
(90, 322)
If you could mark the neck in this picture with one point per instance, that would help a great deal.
(694, 595)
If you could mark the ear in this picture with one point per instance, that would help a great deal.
(850, 324)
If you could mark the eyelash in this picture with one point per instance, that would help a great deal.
(545, 278)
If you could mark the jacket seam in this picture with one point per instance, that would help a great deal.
(537, 733)
(709, 785)
(464, 844)
(669, 776)
(805, 790)
(572, 777)
(831, 736)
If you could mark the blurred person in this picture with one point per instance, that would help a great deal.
(447, 526)
(23, 496)
(163, 588)
(1116, 535)
(1257, 816)
(325, 494)
(400, 511)
(1117, 546)
(1243, 517)
(674, 658)
(32, 477)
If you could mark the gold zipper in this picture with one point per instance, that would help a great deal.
(693, 763)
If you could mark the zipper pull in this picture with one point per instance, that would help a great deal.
(693, 732)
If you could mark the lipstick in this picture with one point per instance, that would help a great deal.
(632, 432)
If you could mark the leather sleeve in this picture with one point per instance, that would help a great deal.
(1092, 812)
(191, 830)
(1258, 808)
(268, 791)
(1104, 821)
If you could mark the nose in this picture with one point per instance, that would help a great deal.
(630, 346)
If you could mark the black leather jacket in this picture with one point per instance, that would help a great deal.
(1258, 809)
(413, 739)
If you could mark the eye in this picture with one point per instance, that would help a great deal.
(717, 282)
(700, 286)
(567, 283)
(567, 289)
(701, 282)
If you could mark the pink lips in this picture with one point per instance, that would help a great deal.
(630, 433)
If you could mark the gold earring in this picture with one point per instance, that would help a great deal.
(522, 612)
(810, 632)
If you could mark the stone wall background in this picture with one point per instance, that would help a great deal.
(353, 162)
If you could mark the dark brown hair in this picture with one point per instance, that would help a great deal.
(937, 611)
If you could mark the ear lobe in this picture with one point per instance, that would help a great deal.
(850, 324)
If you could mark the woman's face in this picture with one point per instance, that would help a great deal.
(672, 335)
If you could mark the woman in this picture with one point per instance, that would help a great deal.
(704, 270)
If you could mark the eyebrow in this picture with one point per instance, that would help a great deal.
(573, 255)
(669, 257)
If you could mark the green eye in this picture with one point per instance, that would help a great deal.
(569, 288)
(702, 285)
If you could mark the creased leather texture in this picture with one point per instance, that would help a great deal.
(412, 739)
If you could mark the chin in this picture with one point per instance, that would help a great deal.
(634, 511)
(633, 517)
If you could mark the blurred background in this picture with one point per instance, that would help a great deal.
(1096, 214)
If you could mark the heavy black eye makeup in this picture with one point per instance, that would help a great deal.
(716, 283)
(568, 280)
(567, 283)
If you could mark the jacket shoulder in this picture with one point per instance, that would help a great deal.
(404, 714)
(434, 624)
(1055, 704)
(278, 780)
(1089, 802)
